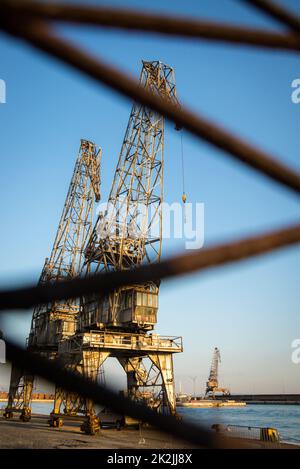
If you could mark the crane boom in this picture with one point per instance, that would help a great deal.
(67, 255)
(212, 385)
(76, 220)
(129, 232)
(213, 375)
(123, 236)
(54, 322)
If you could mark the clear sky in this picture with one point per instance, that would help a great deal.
(251, 310)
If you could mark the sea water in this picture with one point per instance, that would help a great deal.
(285, 418)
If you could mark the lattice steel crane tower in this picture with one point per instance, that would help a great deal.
(212, 385)
(54, 322)
(127, 234)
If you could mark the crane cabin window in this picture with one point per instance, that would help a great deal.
(144, 299)
(128, 300)
(139, 299)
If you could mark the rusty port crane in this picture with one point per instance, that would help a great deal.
(53, 323)
(83, 333)
(212, 385)
(127, 234)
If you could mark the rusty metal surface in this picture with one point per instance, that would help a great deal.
(40, 36)
(201, 259)
(277, 12)
(158, 23)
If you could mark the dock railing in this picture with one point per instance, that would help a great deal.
(109, 339)
(261, 434)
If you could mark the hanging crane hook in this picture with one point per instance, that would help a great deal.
(184, 197)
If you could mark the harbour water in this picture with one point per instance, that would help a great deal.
(286, 418)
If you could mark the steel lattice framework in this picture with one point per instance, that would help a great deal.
(67, 256)
(129, 233)
(54, 321)
(123, 236)
(212, 385)
(116, 325)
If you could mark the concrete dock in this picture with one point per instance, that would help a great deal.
(37, 434)
(271, 399)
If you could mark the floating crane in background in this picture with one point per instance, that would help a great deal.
(212, 385)
(54, 322)
(126, 235)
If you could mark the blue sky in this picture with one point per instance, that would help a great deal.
(250, 310)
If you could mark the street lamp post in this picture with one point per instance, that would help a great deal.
(194, 378)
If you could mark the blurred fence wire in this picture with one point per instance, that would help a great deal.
(33, 23)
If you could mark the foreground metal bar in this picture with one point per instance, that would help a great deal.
(38, 35)
(101, 395)
(277, 12)
(156, 23)
(198, 260)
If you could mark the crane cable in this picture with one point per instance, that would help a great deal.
(183, 179)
